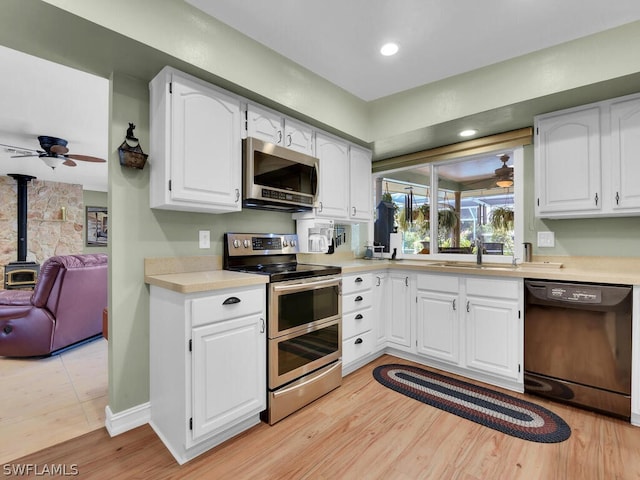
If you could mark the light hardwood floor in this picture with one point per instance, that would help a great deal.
(46, 401)
(363, 430)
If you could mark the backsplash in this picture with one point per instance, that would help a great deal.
(47, 233)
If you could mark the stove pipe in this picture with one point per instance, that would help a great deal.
(22, 181)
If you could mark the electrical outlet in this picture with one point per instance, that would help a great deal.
(546, 239)
(205, 238)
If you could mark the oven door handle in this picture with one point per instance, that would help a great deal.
(292, 287)
(310, 380)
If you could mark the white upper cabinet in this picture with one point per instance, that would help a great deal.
(345, 180)
(360, 184)
(299, 137)
(333, 195)
(625, 154)
(586, 160)
(264, 124)
(195, 148)
(568, 163)
(275, 128)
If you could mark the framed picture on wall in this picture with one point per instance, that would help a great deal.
(97, 226)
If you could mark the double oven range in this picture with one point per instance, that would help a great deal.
(304, 319)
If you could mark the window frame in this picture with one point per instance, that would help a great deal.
(518, 228)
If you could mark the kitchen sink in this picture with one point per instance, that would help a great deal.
(475, 266)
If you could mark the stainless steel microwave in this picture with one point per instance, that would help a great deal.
(277, 178)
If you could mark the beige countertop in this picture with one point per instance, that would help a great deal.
(196, 274)
(615, 270)
(199, 274)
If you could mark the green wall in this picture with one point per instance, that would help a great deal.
(137, 232)
(129, 42)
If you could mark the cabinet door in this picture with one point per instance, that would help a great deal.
(399, 321)
(265, 125)
(206, 157)
(298, 137)
(360, 184)
(380, 307)
(333, 198)
(229, 372)
(438, 325)
(625, 148)
(492, 336)
(567, 173)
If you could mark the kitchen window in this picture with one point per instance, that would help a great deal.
(471, 212)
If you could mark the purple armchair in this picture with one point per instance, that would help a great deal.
(64, 308)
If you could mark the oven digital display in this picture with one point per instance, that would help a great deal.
(266, 243)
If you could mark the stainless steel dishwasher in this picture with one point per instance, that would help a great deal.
(577, 344)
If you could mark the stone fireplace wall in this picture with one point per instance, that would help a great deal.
(48, 234)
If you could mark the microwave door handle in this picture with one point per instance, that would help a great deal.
(316, 170)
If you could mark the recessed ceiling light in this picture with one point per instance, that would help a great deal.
(467, 133)
(389, 49)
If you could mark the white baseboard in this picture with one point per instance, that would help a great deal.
(117, 423)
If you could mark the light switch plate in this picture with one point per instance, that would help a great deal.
(546, 239)
(204, 237)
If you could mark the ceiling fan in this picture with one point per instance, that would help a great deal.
(54, 153)
(504, 174)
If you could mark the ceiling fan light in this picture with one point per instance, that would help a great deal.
(52, 161)
(504, 182)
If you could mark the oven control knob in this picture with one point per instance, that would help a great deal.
(293, 243)
(285, 243)
(246, 243)
(236, 243)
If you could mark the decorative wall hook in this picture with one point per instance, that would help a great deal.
(131, 155)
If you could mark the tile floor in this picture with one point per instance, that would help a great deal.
(49, 400)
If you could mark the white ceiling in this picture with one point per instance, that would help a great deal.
(340, 39)
(38, 97)
(337, 39)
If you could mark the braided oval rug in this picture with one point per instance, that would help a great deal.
(487, 407)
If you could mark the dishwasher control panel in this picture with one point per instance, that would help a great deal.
(574, 294)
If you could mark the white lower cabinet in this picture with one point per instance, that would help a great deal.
(381, 308)
(358, 339)
(438, 322)
(494, 326)
(400, 317)
(207, 366)
(471, 323)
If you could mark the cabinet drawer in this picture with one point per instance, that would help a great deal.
(438, 283)
(357, 347)
(494, 287)
(357, 283)
(240, 303)
(359, 321)
(356, 301)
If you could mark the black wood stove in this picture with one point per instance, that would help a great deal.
(21, 274)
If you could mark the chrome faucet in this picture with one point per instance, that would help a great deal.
(479, 251)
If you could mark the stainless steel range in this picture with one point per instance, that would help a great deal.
(304, 326)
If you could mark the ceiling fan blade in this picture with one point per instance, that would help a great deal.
(21, 150)
(59, 149)
(25, 156)
(69, 163)
(86, 158)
